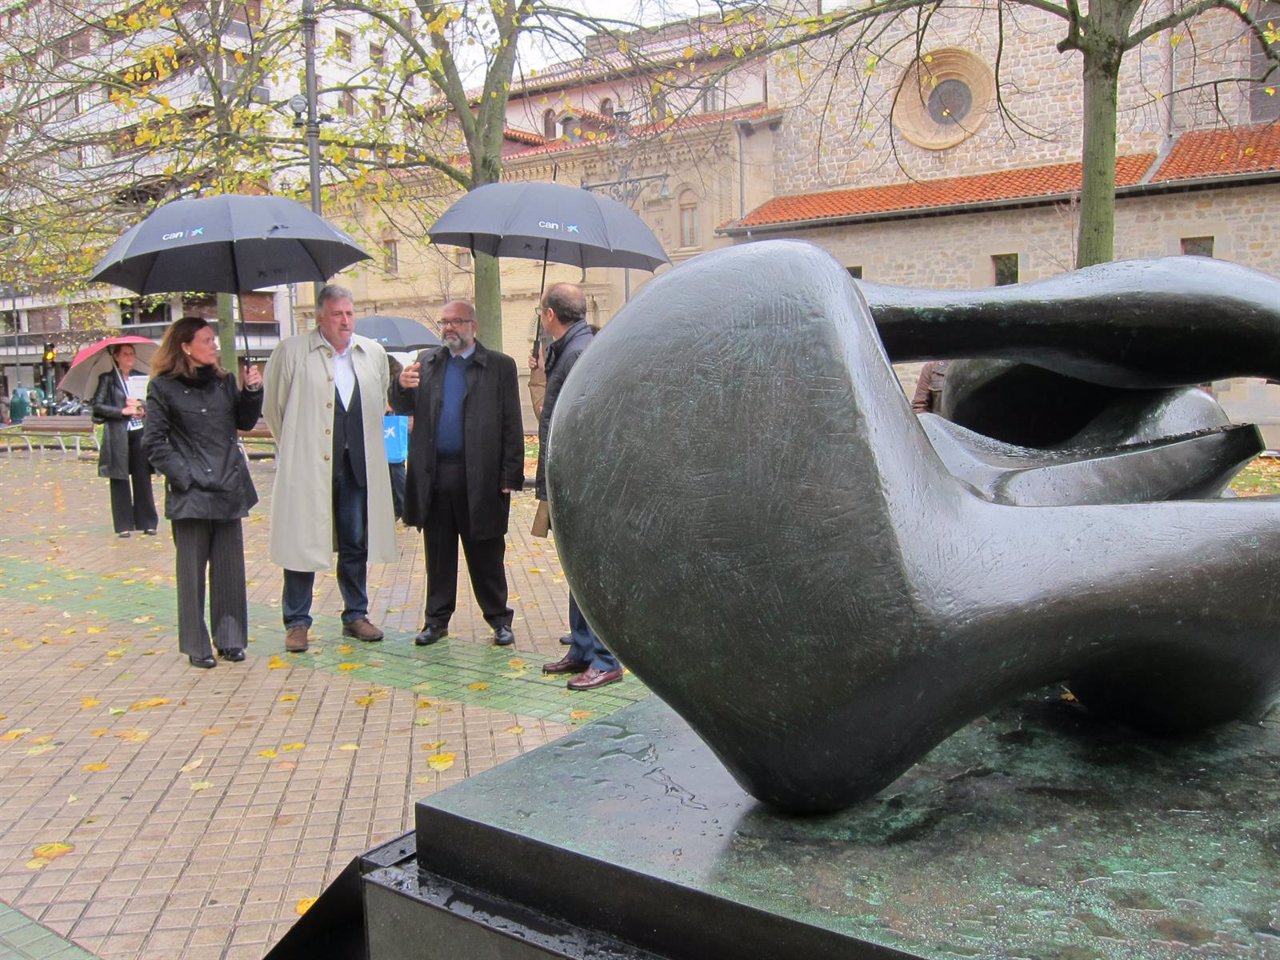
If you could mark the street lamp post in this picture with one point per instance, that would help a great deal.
(627, 188)
(306, 105)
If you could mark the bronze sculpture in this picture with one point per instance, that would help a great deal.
(754, 520)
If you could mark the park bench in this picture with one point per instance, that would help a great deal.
(45, 431)
(258, 442)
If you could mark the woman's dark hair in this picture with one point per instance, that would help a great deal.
(171, 360)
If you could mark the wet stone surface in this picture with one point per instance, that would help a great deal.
(1037, 832)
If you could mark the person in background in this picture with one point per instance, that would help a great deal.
(4, 405)
(121, 458)
(19, 405)
(195, 409)
(928, 394)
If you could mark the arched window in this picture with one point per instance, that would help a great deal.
(549, 123)
(606, 107)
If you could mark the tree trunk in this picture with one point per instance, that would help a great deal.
(488, 301)
(1097, 236)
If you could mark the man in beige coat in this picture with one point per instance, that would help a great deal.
(326, 392)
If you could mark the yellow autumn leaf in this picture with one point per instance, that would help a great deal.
(440, 761)
(100, 732)
(95, 767)
(515, 728)
(43, 739)
(290, 747)
(268, 753)
(304, 905)
(345, 648)
(211, 732)
(579, 714)
(275, 663)
(350, 666)
(17, 733)
(116, 711)
(42, 748)
(193, 765)
(477, 686)
(517, 663)
(87, 703)
(289, 698)
(200, 785)
(97, 630)
(147, 619)
(433, 745)
(148, 704)
(52, 851)
(350, 746)
(133, 735)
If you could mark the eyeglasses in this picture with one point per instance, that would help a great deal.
(455, 323)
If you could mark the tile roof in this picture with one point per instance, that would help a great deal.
(1005, 185)
(1197, 155)
(643, 131)
(523, 136)
(1217, 153)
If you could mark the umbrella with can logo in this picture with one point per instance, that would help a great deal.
(549, 221)
(228, 243)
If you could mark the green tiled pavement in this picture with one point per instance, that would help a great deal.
(23, 939)
(473, 673)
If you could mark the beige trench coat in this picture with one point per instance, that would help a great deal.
(299, 410)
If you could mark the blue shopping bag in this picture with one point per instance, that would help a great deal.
(395, 433)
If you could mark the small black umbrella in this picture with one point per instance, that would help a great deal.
(396, 333)
(549, 221)
(226, 244)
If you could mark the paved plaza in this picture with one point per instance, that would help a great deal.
(149, 809)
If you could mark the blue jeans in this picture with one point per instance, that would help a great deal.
(350, 520)
(586, 646)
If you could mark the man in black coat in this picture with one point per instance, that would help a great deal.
(466, 458)
(564, 318)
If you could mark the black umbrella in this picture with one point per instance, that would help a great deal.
(549, 221)
(396, 333)
(226, 244)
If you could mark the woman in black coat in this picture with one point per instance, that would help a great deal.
(121, 458)
(193, 411)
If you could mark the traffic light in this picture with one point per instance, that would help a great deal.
(50, 353)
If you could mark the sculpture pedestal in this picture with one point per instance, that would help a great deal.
(1037, 832)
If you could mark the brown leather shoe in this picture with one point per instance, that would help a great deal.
(595, 678)
(565, 664)
(295, 640)
(362, 629)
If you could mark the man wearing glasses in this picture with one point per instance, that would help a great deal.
(466, 457)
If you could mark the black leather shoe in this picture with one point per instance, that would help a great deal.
(204, 663)
(567, 639)
(565, 665)
(430, 634)
(503, 637)
(235, 656)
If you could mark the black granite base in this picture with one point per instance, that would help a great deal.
(1035, 833)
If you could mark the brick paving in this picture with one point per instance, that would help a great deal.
(149, 809)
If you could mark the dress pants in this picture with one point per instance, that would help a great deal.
(586, 646)
(212, 550)
(350, 521)
(136, 511)
(449, 520)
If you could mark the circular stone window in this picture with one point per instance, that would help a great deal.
(943, 99)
